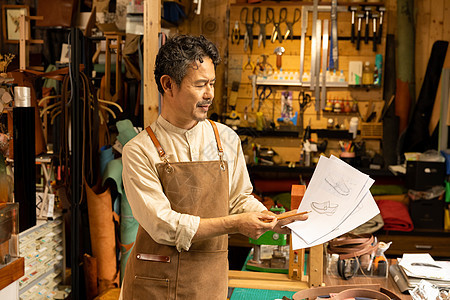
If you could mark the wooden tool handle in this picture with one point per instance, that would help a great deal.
(279, 61)
(284, 216)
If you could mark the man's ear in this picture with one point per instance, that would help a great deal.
(167, 84)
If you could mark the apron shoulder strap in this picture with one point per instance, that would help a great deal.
(155, 141)
(219, 145)
(163, 156)
(216, 133)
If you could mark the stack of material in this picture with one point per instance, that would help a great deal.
(412, 268)
(395, 215)
(338, 195)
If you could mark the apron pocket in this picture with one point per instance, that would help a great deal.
(208, 270)
(150, 288)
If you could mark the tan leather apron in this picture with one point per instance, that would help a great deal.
(156, 271)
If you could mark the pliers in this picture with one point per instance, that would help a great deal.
(236, 34)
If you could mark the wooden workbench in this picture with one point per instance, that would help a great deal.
(257, 280)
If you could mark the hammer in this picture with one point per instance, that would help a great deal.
(279, 52)
(381, 10)
(353, 10)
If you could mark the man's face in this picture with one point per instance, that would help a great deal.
(194, 95)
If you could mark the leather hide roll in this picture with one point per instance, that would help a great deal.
(103, 241)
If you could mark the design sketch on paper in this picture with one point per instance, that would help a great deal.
(326, 207)
(338, 185)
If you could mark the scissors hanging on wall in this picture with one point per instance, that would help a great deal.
(263, 92)
(290, 25)
(248, 36)
(262, 26)
(276, 31)
(304, 100)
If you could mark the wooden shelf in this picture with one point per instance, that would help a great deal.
(432, 241)
(275, 82)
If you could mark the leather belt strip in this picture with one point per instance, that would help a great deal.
(162, 154)
(155, 141)
(219, 145)
(352, 246)
(216, 134)
(153, 257)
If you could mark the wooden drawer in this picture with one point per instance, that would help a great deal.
(437, 246)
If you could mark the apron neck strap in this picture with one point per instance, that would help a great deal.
(155, 141)
(216, 133)
(163, 155)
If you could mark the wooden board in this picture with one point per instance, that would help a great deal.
(11, 272)
(270, 281)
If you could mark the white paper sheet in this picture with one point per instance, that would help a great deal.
(335, 190)
(422, 265)
(355, 219)
(350, 191)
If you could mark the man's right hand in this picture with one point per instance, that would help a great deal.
(254, 224)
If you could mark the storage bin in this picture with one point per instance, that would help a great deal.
(427, 213)
(422, 175)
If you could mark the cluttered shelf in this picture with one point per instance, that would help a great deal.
(261, 170)
(433, 241)
(294, 131)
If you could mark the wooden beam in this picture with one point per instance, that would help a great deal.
(152, 21)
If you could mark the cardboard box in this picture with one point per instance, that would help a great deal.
(422, 175)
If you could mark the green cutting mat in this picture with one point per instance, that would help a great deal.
(253, 294)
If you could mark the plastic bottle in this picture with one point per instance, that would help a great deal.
(337, 106)
(354, 106)
(305, 77)
(341, 77)
(353, 127)
(367, 76)
(378, 68)
(347, 108)
(334, 77)
(275, 76)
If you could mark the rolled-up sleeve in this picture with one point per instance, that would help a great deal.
(149, 204)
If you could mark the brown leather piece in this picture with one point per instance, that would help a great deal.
(216, 134)
(373, 291)
(351, 245)
(358, 292)
(155, 142)
(153, 257)
(90, 276)
(101, 227)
